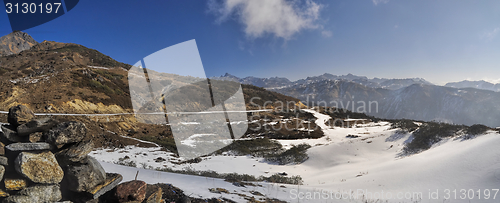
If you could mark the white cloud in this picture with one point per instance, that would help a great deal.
(376, 2)
(490, 35)
(326, 33)
(281, 18)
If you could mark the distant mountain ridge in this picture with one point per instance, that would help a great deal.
(281, 82)
(255, 81)
(412, 98)
(15, 42)
(481, 84)
(418, 101)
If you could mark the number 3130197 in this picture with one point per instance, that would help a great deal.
(32, 8)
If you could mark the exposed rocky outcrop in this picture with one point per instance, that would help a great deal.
(15, 42)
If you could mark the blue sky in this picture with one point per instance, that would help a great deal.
(441, 41)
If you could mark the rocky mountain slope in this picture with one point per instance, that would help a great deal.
(55, 77)
(15, 42)
(65, 78)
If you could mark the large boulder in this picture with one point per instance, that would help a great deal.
(84, 177)
(19, 115)
(39, 167)
(36, 194)
(67, 132)
(134, 190)
(37, 125)
(75, 153)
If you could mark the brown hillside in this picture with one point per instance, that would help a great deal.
(54, 77)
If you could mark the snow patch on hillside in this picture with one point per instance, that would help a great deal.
(367, 161)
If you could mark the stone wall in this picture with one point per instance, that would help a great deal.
(43, 160)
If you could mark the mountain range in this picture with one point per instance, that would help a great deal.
(481, 84)
(465, 102)
(391, 84)
(280, 82)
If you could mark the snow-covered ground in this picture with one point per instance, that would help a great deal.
(197, 186)
(34, 79)
(352, 169)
